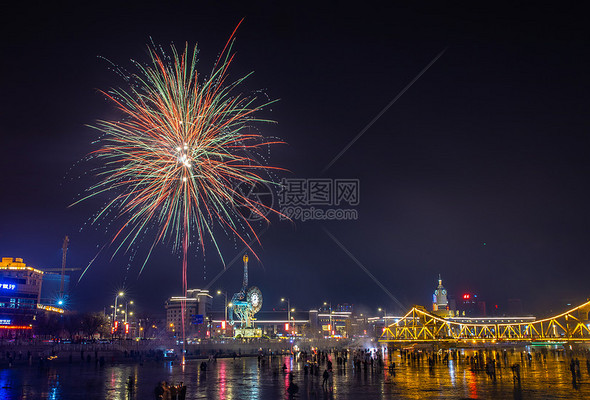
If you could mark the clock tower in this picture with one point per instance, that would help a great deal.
(439, 298)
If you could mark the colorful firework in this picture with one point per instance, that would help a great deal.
(175, 158)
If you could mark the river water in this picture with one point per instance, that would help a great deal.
(243, 378)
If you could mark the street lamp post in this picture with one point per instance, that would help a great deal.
(331, 327)
(288, 308)
(229, 305)
(120, 294)
(128, 315)
(224, 293)
(126, 305)
(384, 316)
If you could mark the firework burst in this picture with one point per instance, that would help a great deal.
(175, 157)
(180, 150)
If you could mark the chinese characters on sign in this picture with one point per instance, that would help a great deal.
(9, 286)
(319, 199)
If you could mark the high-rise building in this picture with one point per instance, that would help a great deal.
(20, 290)
(471, 306)
(197, 313)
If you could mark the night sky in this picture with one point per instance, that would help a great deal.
(478, 172)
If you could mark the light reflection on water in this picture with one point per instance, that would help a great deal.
(5, 383)
(222, 376)
(54, 392)
(117, 383)
(472, 384)
(243, 378)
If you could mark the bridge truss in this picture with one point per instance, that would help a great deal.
(418, 325)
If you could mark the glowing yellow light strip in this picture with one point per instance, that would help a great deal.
(14, 327)
(50, 308)
(21, 269)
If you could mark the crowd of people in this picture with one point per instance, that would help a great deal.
(319, 365)
(164, 391)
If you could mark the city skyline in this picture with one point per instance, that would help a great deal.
(476, 172)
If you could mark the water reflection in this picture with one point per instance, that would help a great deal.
(5, 383)
(472, 384)
(245, 378)
(222, 377)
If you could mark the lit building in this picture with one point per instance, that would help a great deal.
(197, 313)
(20, 291)
(440, 301)
(334, 323)
(439, 298)
(314, 322)
(470, 306)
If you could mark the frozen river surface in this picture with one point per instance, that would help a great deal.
(243, 378)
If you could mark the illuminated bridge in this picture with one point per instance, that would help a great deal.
(418, 325)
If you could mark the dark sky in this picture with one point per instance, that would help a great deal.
(489, 146)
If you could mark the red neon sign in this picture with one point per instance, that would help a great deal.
(466, 296)
(14, 327)
(286, 327)
(222, 324)
(126, 328)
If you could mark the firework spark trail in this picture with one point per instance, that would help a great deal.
(173, 160)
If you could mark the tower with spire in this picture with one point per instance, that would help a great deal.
(439, 298)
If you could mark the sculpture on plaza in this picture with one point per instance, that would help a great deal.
(244, 304)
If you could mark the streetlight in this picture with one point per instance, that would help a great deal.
(224, 293)
(325, 304)
(128, 315)
(120, 294)
(288, 308)
(384, 315)
(126, 305)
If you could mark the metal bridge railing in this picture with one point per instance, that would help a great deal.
(418, 325)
